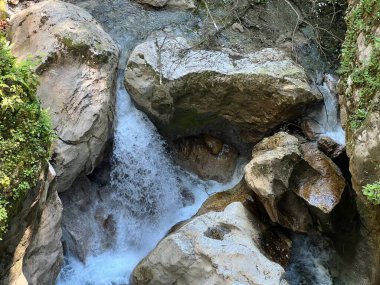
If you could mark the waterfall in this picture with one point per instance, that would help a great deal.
(329, 118)
(146, 198)
(326, 119)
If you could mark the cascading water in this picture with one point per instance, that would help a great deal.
(146, 195)
(145, 201)
(325, 120)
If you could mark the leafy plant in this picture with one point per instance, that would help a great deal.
(372, 192)
(25, 133)
(361, 19)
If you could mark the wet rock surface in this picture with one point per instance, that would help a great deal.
(83, 219)
(330, 147)
(289, 175)
(76, 73)
(206, 156)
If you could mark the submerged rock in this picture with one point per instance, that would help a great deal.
(77, 65)
(206, 156)
(289, 175)
(213, 248)
(188, 91)
(31, 250)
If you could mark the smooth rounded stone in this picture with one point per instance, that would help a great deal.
(289, 175)
(213, 248)
(189, 91)
(206, 156)
(77, 67)
(174, 4)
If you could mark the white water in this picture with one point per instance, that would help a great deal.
(145, 201)
(310, 261)
(327, 117)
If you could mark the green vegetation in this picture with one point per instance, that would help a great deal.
(361, 19)
(372, 192)
(25, 133)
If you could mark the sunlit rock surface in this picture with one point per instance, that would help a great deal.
(213, 248)
(240, 96)
(77, 64)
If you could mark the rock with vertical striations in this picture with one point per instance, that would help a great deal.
(31, 250)
(76, 72)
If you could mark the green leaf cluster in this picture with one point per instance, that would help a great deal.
(363, 18)
(372, 192)
(26, 135)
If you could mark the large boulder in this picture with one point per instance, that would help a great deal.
(77, 67)
(290, 176)
(187, 91)
(31, 251)
(213, 248)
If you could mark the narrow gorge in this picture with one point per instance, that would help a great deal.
(189, 142)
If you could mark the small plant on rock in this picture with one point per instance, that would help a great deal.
(372, 192)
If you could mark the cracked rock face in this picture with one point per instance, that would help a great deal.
(213, 248)
(290, 176)
(77, 69)
(187, 91)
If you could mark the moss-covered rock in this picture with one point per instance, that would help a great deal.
(77, 69)
(25, 134)
(360, 84)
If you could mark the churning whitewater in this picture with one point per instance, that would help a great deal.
(149, 195)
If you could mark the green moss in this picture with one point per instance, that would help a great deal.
(362, 18)
(25, 134)
(84, 51)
